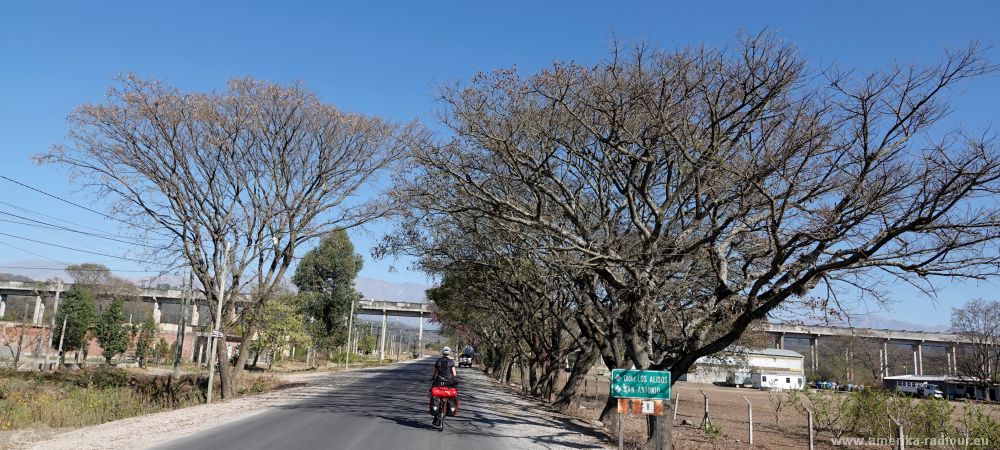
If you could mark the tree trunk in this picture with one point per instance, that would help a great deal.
(256, 357)
(665, 424)
(524, 378)
(580, 369)
(533, 377)
(226, 371)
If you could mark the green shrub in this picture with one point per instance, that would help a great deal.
(712, 431)
(978, 425)
(104, 377)
(255, 385)
(929, 418)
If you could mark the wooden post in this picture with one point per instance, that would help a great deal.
(52, 326)
(59, 358)
(347, 346)
(811, 435)
(749, 420)
(705, 420)
(899, 433)
(677, 403)
(621, 433)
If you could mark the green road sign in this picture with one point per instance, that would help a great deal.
(645, 384)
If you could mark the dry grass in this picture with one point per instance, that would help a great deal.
(728, 410)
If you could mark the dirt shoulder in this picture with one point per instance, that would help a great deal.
(154, 429)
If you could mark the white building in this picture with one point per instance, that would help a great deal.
(768, 368)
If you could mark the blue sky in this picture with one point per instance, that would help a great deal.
(386, 57)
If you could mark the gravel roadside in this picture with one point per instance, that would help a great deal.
(153, 429)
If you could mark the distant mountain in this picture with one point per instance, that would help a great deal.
(887, 323)
(870, 320)
(36, 269)
(40, 270)
(386, 290)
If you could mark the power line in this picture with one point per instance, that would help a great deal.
(60, 227)
(77, 204)
(76, 249)
(31, 252)
(56, 197)
(82, 270)
(52, 217)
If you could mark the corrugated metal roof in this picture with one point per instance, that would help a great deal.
(922, 378)
(774, 352)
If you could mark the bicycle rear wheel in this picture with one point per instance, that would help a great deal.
(442, 404)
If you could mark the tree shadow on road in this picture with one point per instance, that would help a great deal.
(399, 395)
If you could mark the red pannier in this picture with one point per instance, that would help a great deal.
(445, 392)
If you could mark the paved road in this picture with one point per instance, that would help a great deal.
(389, 411)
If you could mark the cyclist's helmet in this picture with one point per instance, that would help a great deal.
(446, 351)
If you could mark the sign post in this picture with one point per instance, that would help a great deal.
(639, 392)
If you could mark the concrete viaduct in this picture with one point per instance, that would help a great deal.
(951, 342)
(46, 295)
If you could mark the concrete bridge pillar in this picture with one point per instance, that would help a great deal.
(881, 365)
(381, 346)
(947, 355)
(3, 305)
(885, 358)
(36, 318)
(157, 315)
(420, 336)
(954, 359)
(920, 359)
(814, 353)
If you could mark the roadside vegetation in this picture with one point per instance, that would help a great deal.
(88, 397)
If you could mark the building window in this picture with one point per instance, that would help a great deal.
(788, 380)
(763, 378)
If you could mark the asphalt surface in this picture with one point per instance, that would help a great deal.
(389, 411)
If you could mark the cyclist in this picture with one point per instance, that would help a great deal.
(445, 374)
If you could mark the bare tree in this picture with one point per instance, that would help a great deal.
(18, 337)
(262, 166)
(703, 189)
(979, 362)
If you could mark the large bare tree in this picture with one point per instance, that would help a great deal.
(979, 361)
(262, 166)
(704, 189)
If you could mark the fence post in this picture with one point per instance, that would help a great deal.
(899, 433)
(677, 403)
(749, 419)
(705, 420)
(621, 433)
(811, 435)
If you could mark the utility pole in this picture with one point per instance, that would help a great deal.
(52, 327)
(347, 347)
(59, 357)
(181, 323)
(215, 327)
